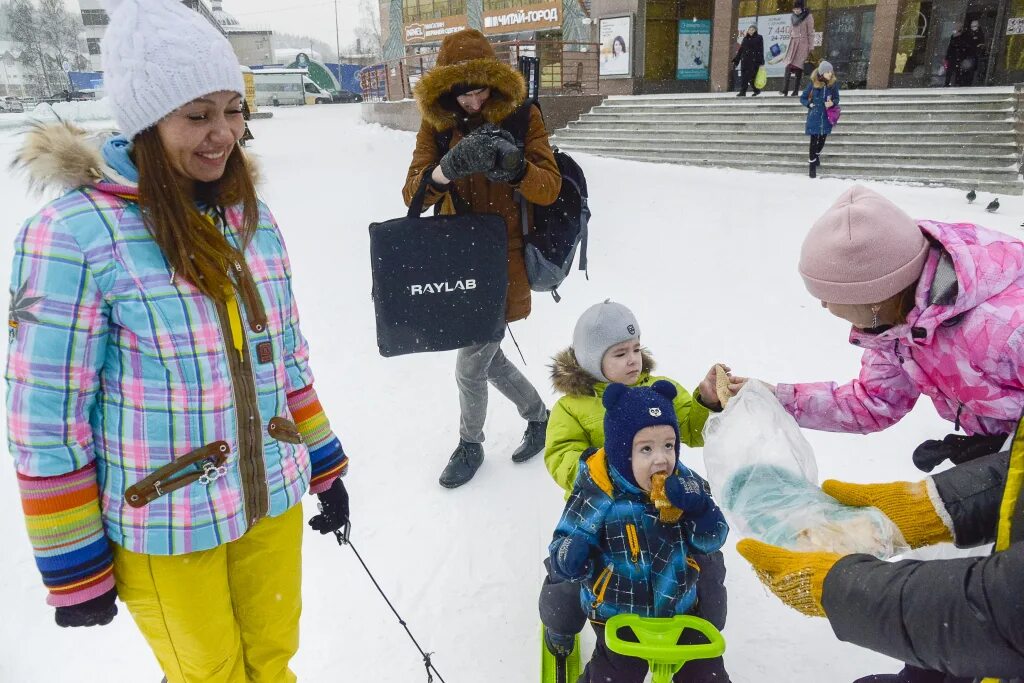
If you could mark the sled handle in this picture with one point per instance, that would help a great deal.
(659, 642)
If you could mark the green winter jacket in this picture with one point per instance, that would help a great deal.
(577, 420)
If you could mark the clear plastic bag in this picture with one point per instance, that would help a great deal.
(764, 476)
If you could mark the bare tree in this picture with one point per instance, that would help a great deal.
(369, 37)
(48, 35)
(23, 26)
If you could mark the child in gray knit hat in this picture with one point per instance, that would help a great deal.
(606, 349)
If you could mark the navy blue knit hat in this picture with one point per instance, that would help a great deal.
(628, 410)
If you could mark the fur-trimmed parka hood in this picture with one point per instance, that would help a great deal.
(568, 377)
(466, 58)
(819, 82)
(62, 156)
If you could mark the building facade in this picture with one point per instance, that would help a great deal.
(95, 19)
(688, 45)
(252, 46)
(649, 46)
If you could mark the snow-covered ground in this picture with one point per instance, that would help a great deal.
(707, 260)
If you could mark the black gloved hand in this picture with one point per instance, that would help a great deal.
(99, 611)
(333, 509)
(509, 160)
(957, 448)
(688, 493)
(473, 154)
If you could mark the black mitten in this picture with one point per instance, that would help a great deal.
(473, 154)
(957, 448)
(333, 509)
(99, 611)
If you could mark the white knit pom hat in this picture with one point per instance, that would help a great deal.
(159, 55)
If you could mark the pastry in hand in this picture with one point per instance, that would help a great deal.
(667, 512)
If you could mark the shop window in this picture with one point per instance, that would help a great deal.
(1014, 60)
(422, 10)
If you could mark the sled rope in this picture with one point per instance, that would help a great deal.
(509, 328)
(344, 538)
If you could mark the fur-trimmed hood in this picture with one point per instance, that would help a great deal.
(568, 377)
(819, 82)
(467, 58)
(62, 156)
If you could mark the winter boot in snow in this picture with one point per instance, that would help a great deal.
(533, 441)
(465, 461)
(812, 166)
(560, 658)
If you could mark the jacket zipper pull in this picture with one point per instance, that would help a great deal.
(172, 275)
(956, 423)
(896, 348)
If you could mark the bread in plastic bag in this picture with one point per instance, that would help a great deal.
(764, 475)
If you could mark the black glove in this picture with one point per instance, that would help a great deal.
(957, 448)
(473, 154)
(333, 509)
(99, 611)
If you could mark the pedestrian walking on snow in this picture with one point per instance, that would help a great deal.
(749, 58)
(821, 94)
(464, 99)
(801, 42)
(160, 406)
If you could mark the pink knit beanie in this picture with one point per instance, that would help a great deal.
(864, 250)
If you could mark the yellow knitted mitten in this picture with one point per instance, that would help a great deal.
(906, 503)
(796, 578)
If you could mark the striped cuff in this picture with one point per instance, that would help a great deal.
(62, 515)
(326, 454)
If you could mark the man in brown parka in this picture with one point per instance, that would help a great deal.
(468, 91)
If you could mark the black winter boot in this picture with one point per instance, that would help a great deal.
(812, 166)
(533, 441)
(559, 644)
(465, 461)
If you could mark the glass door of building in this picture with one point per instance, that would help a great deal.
(847, 43)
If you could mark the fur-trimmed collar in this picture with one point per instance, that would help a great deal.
(568, 377)
(818, 83)
(508, 91)
(62, 156)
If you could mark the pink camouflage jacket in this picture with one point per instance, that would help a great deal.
(963, 345)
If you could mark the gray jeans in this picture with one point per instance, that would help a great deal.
(474, 368)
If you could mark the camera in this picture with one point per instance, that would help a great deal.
(508, 156)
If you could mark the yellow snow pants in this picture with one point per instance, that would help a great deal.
(225, 615)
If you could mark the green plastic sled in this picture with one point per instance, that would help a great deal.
(659, 642)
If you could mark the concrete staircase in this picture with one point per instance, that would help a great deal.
(957, 137)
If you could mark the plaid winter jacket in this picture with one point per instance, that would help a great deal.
(639, 564)
(118, 370)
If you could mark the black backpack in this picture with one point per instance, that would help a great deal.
(560, 228)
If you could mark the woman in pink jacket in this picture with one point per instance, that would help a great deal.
(938, 309)
(801, 42)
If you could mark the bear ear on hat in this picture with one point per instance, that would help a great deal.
(613, 394)
(665, 388)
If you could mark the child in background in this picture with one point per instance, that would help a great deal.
(606, 348)
(613, 540)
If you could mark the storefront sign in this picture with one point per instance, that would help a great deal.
(536, 17)
(616, 45)
(774, 29)
(434, 31)
(1015, 26)
(694, 50)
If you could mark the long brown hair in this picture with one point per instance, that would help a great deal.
(196, 249)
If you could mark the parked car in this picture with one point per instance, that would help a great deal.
(11, 104)
(346, 96)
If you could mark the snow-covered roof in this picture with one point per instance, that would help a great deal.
(227, 21)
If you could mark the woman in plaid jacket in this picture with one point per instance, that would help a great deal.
(161, 412)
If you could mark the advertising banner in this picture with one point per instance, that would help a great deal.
(435, 30)
(616, 45)
(774, 29)
(541, 16)
(694, 50)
